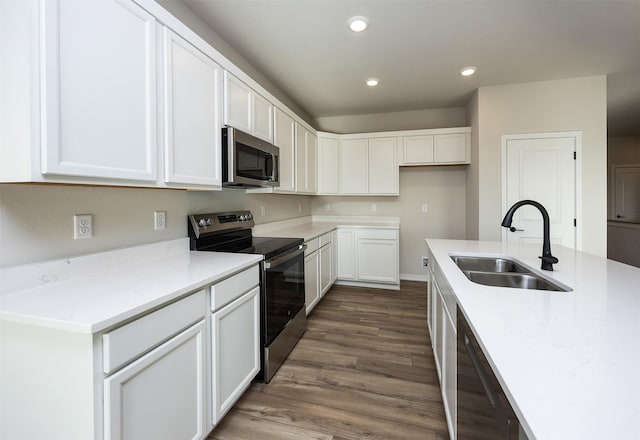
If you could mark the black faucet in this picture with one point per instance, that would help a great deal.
(548, 260)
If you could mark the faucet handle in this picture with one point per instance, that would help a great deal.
(514, 229)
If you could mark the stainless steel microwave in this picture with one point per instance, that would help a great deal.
(248, 161)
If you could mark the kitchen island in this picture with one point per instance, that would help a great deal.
(567, 361)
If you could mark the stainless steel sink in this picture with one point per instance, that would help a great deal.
(503, 272)
(484, 264)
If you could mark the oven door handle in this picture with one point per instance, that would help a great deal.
(278, 260)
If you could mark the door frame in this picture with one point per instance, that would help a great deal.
(577, 139)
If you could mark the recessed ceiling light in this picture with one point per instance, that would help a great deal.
(468, 71)
(372, 82)
(358, 23)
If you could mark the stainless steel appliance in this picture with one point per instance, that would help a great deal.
(483, 411)
(282, 300)
(248, 161)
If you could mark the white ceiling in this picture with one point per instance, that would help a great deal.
(417, 47)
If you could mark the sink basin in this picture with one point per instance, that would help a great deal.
(485, 264)
(503, 272)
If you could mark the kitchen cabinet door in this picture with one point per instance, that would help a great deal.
(238, 104)
(306, 157)
(236, 350)
(450, 148)
(262, 118)
(311, 280)
(378, 261)
(192, 114)
(284, 139)
(417, 150)
(326, 262)
(334, 260)
(99, 91)
(162, 395)
(383, 166)
(354, 166)
(436, 336)
(346, 254)
(449, 371)
(328, 165)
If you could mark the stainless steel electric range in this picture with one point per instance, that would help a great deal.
(282, 300)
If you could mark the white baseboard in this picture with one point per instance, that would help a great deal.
(413, 277)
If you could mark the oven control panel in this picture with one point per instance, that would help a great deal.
(203, 224)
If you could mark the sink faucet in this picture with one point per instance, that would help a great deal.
(548, 260)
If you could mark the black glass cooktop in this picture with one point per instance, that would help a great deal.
(266, 246)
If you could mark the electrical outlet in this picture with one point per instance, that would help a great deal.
(299, 207)
(374, 207)
(160, 220)
(327, 207)
(425, 261)
(82, 226)
(425, 207)
(263, 211)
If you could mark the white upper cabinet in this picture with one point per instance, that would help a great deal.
(368, 166)
(238, 104)
(285, 140)
(354, 166)
(262, 118)
(328, 164)
(98, 90)
(383, 166)
(246, 110)
(417, 149)
(306, 156)
(192, 95)
(436, 147)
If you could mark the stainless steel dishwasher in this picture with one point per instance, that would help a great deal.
(483, 411)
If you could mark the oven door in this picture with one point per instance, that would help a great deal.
(283, 284)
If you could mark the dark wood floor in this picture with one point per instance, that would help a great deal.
(363, 370)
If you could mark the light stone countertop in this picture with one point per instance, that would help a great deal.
(568, 361)
(89, 294)
(309, 228)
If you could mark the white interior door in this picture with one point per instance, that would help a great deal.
(627, 199)
(541, 167)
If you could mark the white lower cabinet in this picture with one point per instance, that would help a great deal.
(368, 256)
(311, 281)
(318, 269)
(444, 344)
(235, 330)
(162, 395)
(326, 263)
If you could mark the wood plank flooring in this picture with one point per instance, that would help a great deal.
(364, 369)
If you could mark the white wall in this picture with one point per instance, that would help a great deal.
(578, 104)
(36, 221)
(407, 120)
(441, 188)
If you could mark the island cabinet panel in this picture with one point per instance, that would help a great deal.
(98, 90)
(161, 395)
(192, 94)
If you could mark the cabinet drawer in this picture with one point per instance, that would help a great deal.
(134, 339)
(326, 238)
(234, 287)
(378, 234)
(312, 246)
